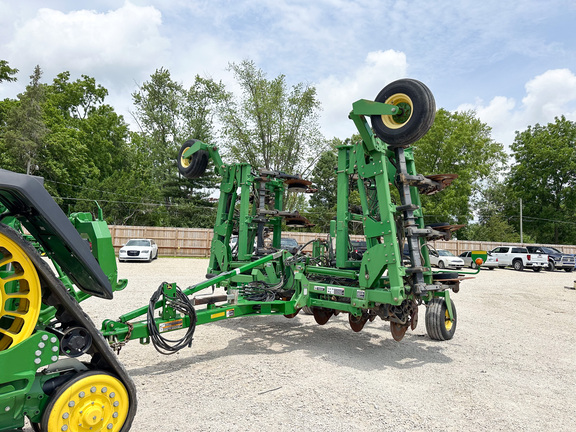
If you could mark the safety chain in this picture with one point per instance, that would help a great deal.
(116, 345)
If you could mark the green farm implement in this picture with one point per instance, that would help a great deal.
(61, 372)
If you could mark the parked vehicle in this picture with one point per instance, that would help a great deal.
(519, 258)
(138, 250)
(358, 249)
(556, 258)
(490, 263)
(443, 258)
(290, 244)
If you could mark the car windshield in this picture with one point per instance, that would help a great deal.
(289, 242)
(138, 242)
(445, 253)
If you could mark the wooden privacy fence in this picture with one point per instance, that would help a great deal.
(195, 242)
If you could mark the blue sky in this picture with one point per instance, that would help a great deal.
(512, 62)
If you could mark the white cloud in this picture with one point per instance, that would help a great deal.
(115, 46)
(338, 93)
(551, 94)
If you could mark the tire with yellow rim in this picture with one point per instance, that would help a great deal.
(415, 116)
(439, 326)
(91, 401)
(195, 165)
(20, 294)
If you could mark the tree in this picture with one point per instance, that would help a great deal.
(324, 179)
(544, 176)
(461, 144)
(25, 131)
(6, 72)
(168, 115)
(270, 126)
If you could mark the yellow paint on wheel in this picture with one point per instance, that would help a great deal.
(96, 402)
(397, 121)
(185, 163)
(20, 294)
(447, 321)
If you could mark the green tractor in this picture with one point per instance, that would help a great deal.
(61, 373)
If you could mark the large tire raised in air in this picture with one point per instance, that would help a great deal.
(416, 117)
(196, 165)
(438, 323)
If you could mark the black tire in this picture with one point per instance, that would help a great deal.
(415, 119)
(438, 326)
(196, 165)
(473, 265)
(518, 265)
(569, 270)
(551, 266)
(441, 265)
(536, 269)
(491, 268)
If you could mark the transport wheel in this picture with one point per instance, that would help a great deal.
(518, 265)
(441, 265)
(20, 294)
(91, 401)
(416, 116)
(569, 270)
(551, 266)
(196, 165)
(536, 269)
(438, 324)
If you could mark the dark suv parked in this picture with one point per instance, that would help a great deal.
(556, 259)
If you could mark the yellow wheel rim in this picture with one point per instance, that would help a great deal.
(185, 163)
(20, 294)
(97, 402)
(404, 102)
(447, 322)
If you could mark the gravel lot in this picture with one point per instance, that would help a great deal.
(511, 365)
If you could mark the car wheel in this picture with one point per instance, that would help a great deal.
(518, 265)
(441, 265)
(536, 269)
(569, 270)
(491, 268)
(415, 117)
(551, 266)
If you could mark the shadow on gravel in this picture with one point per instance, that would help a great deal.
(369, 350)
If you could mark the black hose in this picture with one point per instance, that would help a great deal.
(183, 305)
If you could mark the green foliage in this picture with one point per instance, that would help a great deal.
(24, 131)
(324, 179)
(269, 126)
(544, 176)
(461, 144)
(6, 72)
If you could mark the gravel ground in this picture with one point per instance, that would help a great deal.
(511, 365)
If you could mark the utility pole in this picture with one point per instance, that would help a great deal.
(521, 235)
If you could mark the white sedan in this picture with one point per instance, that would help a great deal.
(443, 258)
(138, 250)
